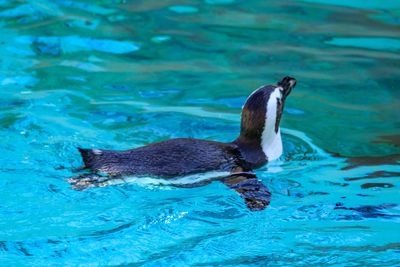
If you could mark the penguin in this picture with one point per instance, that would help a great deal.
(231, 163)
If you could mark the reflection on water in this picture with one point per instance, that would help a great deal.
(121, 74)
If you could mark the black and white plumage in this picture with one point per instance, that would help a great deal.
(259, 142)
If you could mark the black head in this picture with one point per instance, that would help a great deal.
(262, 112)
(287, 84)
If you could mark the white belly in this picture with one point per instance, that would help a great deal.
(178, 181)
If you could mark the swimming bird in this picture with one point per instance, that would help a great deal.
(180, 159)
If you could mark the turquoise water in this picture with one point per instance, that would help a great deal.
(122, 74)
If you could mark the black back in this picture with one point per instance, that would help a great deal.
(175, 157)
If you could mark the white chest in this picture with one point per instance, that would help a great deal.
(271, 141)
(272, 146)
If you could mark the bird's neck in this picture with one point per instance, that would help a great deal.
(271, 144)
(257, 152)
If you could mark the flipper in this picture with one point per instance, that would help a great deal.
(255, 194)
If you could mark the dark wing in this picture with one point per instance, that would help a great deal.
(169, 158)
(255, 194)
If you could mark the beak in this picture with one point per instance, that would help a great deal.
(287, 83)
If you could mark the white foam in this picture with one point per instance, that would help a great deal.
(303, 137)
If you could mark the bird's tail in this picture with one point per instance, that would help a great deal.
(90, 157)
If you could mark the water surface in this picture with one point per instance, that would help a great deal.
(121, 74)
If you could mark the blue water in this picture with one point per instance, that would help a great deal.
(122, 74)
